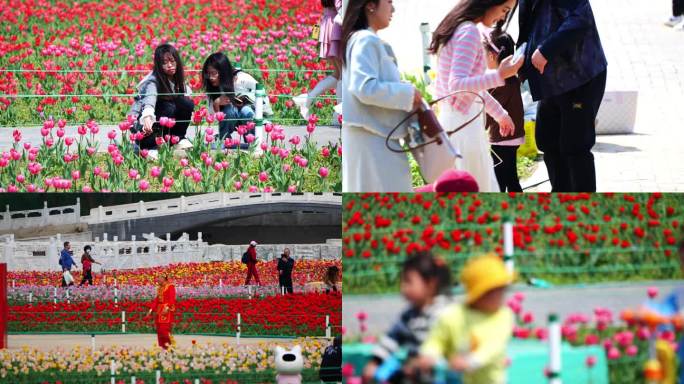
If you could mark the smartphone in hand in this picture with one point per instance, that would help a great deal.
(519, 53)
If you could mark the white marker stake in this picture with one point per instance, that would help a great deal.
(157, 379)
(508, 246)
(238, 328)
(133, 380)
(67, 295)
(328, 332)
(555, 364)
(55, 296)
(30, 297)
(112, 372)
(123, 321)
(92, 343)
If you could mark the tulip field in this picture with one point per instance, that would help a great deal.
(212, 363)
(76, 64)
(562, 238)
(284, 316)
(184, 274)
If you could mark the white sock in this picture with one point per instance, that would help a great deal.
(322, 86)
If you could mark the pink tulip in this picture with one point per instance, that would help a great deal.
(362, 316)
(155, 171)
(44, 132)
(325, 152)
(303, 162)
(143, 185)
(90, 151)
(21, 178)
(263, 146)
(97, 171)
(27, 146)
(652, 292)
(60, 132)
(82, 130)
(4, 163)
(250, 138)
(590, 361)
(209, 138)
(613, 354)
(133, 174)
(219, 116)
(184, 162)
(237, 185)
(68, 141)
(163, 121)
(323, 172)
(12, 188)
(144, 153)
(244, 175)
(16, 134)
(61, 123)
(295, 140)
(167, 182)
(632, 350)
(31, 188)
(76, 175)
(175, 139)
(111, 134)
(253, 189)
(268, 127)
(310, 128)
(263, 177)
(292, 188)
(86, 189)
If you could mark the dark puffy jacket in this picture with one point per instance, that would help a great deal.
(565, 32)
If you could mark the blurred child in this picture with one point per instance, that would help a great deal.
(425, 283)
(472, 336)
(500, 45)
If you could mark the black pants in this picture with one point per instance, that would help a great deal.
(87, 276)
(507, 169)
(677, 7)
(180, 109)
(566, 132)
(287, 283)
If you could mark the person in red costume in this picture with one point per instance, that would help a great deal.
(164, 305)
(251, 263)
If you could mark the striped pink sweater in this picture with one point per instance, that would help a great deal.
(462, 67)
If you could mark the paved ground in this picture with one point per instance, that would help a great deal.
(643, 56)
(322, 135)
(382, 310)
(50, 342)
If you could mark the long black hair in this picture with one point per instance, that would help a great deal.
(428, 268)
(467, 10)
(354, 20)
(222, 65)
(163, 86)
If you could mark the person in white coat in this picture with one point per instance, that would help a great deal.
(374, 101)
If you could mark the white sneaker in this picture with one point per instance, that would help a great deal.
(302, 101)
(679, 27)
(153, 155)
(674, 21)
(183, 144)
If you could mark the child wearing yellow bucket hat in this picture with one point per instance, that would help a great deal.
(472, 336)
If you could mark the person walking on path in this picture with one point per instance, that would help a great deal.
(87, 261)
(566, 69)
(285, 267)
(251, 263)
(676, 21)
(164, 305)
(67, 262)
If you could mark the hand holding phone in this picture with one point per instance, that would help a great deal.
(519, 53)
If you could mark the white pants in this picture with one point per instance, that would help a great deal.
(472, 143)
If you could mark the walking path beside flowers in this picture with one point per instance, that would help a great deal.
(382, 310)
(643, 55)
(67, 342)
(322, 135)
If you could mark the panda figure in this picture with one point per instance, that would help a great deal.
(289, 365)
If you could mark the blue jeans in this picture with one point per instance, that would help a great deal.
(244, 114)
